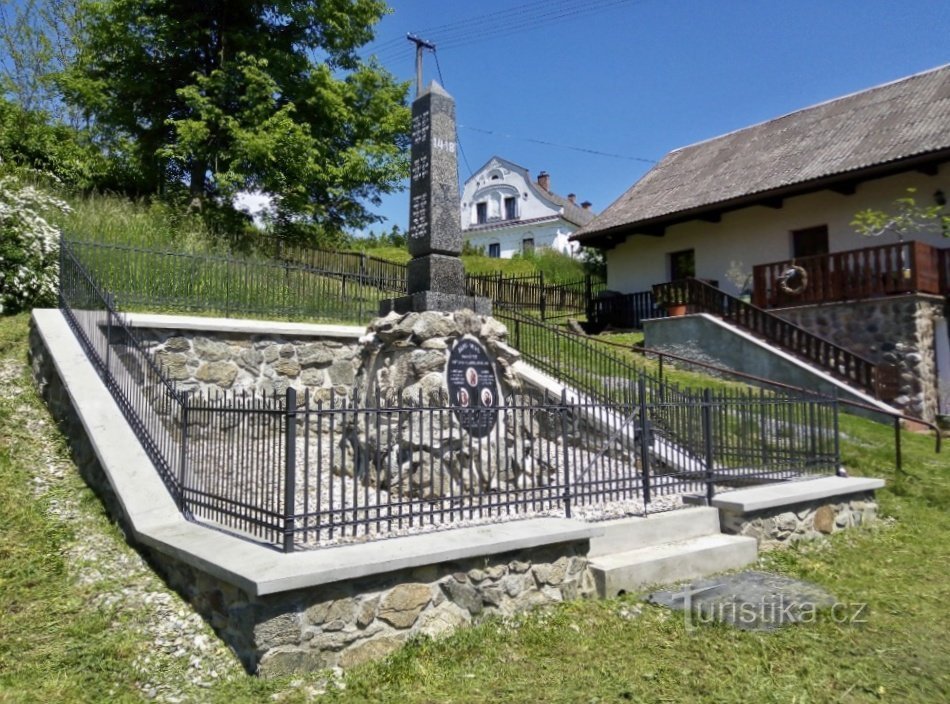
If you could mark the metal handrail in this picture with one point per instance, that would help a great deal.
(836, 360)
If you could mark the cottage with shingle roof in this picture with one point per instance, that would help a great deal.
(780, 190)
(504, 212)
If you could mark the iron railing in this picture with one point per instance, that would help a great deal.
(372, 271)
(879, 380)
(530, 292)
(301, 282)
(293, 471)
(627, 310)
(227, 285)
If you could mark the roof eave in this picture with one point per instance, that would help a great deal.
(843, 182)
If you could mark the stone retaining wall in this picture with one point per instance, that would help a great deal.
(805, 521)
(210, 363)
(346, 623)
(894, 330)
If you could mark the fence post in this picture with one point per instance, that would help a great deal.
(708, 444)
(897, 445)
(290, 468)
(183, 456)
(812, 429)
(836, 439)
(644, 440)
(567, 454)
(543, 297)
(108, 303)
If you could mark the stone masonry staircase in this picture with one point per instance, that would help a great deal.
(666, 547)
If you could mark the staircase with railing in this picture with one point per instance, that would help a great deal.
(879, 380)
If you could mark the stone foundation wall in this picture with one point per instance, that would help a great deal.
(895, 330)
(775, 528)
(346, 623)
(210, 363)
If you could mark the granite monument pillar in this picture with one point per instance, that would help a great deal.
(435, 276)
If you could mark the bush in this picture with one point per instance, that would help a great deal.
(29, 246)
(30, 141)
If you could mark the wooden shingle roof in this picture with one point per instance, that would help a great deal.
(904, 124)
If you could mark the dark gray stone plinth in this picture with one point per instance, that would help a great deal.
(436, 272)
(434, 300)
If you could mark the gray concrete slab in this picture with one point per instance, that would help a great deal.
(155, 521)
(788, 493)
(241, 325)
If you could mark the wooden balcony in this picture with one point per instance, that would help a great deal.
(885, 270)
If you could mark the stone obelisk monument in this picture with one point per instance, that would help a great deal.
(435, 277)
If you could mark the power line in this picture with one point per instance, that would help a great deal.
(532, 16)
(458, 139)
(560, 146)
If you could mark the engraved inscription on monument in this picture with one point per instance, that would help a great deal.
(473, 388)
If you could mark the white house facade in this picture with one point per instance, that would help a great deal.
(726, 251)
(505, 213)
(767, 210)
(786, 188)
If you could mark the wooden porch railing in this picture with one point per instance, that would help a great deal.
(880, 380)
(884, 270)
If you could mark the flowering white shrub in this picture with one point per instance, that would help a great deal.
(29, 246)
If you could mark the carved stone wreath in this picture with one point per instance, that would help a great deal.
(794, 280)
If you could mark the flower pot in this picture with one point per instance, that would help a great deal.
(676, 310)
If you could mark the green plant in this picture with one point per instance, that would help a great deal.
(909, 217)
(28, 245)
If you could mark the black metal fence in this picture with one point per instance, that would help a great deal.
(229, 285)
(383, 274)
(530, 292)
(623, 310)
(297, 282)
(296, 471)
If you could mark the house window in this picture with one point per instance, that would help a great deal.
(481, 213)
(810, 242)
(511, 208)
(494, 250)
(527, 244)
(682, 264)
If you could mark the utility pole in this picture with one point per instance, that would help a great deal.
(420, 45)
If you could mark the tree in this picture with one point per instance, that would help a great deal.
(907, 218)
(240, 95)
(38, 41)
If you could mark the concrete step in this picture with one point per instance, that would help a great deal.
(633, 533)
(623, 572)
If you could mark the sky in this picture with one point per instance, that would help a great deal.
(596, 91)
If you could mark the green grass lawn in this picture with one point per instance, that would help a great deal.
(63, 637)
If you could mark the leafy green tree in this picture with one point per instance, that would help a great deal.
(37, 41)
(28, 139)
(242, 95)
(907, 217)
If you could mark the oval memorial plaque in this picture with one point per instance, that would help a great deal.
(473, 388)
